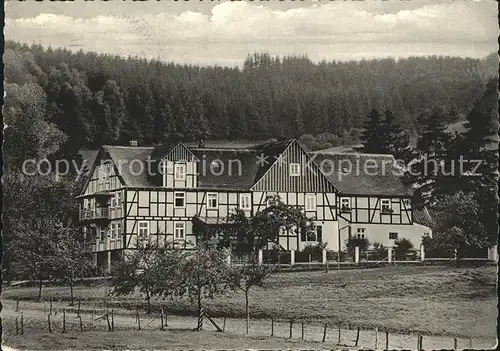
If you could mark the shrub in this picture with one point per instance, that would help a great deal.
(316, 252)
(352, 242)
(379, 251)
(401, 248)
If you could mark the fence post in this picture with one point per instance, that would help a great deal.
(323, 258)
(338, 339)
(161, 318)
(292, 257)
(17, 325)
(357, 337)
(389, 254)
(17, 303)
(48, 322)
(260, 257)
(272, 326)
(81, 323)
(224, 325)
(376, 338)
(78, 313)
(64, 321)
(454, 343)
(422, 253)
(112, 319)
(200, 320)
(22, 323)
(324, 332)
(302, 331)
(50, 308)
(356, 254)
(138, 318)
(387, 340)
(291, 328)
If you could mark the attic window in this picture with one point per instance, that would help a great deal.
(385, 206)
(180, 171)
(294, 169)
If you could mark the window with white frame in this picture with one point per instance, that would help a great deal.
(393, 236)
(179, 199)
(143, 229)
(212, 200)
(118, 199)
(180, 228)
(310, 203)
(345, 204)
(245, 201)
(385, 206)
(360, 232)
(294, 169)
(180, 171)
(102, 233)
(104, 173)
(118, 230)
(113, 230)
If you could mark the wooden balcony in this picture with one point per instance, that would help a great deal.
(94, 215)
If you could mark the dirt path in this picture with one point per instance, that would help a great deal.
(35, 318)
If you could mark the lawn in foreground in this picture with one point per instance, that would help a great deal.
(433, 300)
(171, 339)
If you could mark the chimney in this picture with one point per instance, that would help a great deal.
(133, 142)
(202, 143)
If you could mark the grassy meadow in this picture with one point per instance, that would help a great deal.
(431, 300)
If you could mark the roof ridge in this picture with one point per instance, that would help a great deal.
(128, 147)
(350, 153)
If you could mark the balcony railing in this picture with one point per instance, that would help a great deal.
(100, 213)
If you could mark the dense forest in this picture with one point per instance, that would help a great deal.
(95, 99)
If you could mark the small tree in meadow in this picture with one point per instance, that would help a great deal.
(73, 257)
(151, 268)
(248, 275)
(203, 273)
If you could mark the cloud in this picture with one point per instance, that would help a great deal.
(358, 28)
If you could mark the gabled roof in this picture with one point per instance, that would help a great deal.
(128, 161)
(363, 174)
(239, 167)
(247, 167)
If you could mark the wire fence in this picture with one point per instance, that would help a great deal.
(55, 317)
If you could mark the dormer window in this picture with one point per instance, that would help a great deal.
(345, 204)
(294, 169)
(385, 206)
(180, 171)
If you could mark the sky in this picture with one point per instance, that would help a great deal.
(224, 32)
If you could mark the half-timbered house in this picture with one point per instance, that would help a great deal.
(134, 193)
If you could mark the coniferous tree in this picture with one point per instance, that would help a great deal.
(372, 137)
(431, 154)
(394, 140)
(480, 147)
